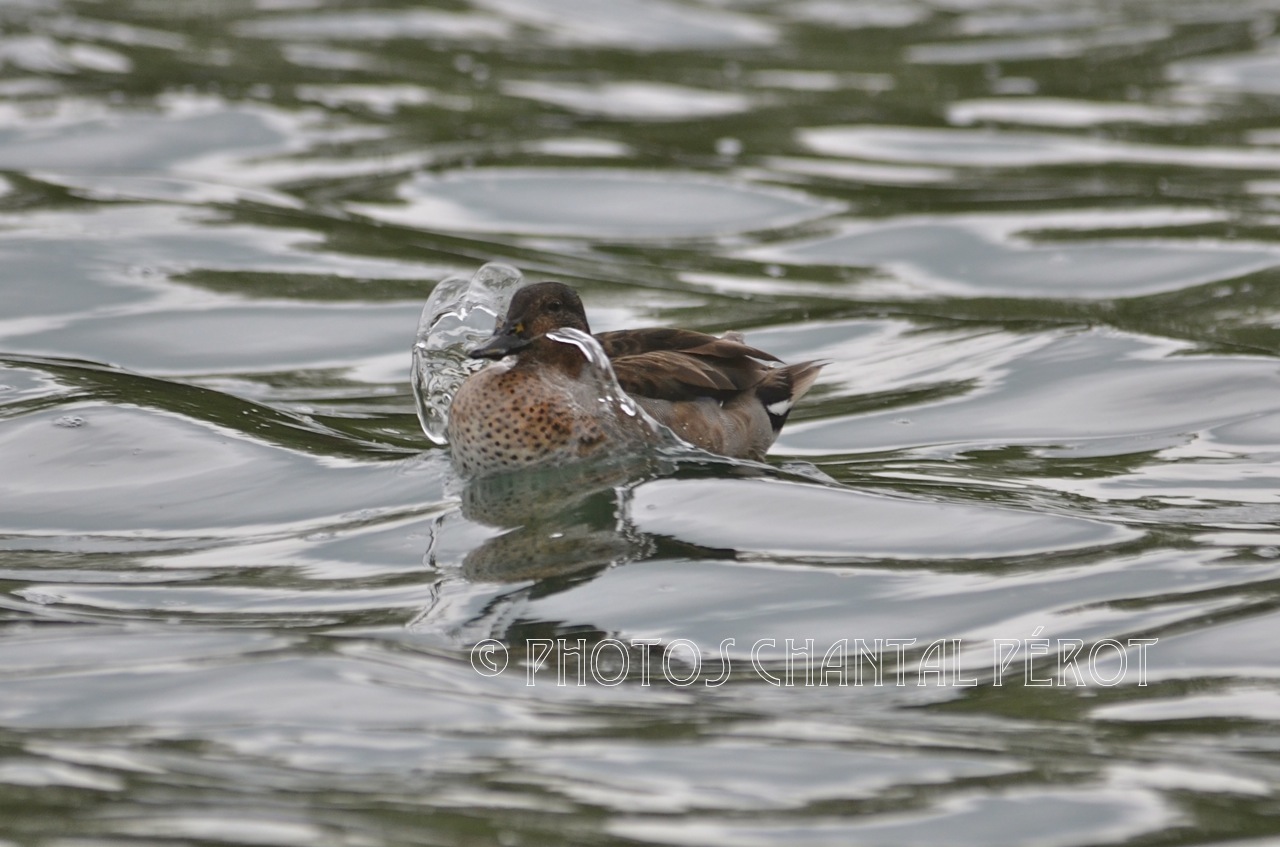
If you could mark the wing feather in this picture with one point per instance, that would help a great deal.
(678, 364)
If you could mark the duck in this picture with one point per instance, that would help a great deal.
(542, 406)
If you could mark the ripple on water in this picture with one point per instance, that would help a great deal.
(996, 19)
(1063, 112)
(120, 256)
(743, 774)
(185, 696)
(646, 101)
(617, 204)
(1243, 648)
(58, 650)
(195, 192)
(189, 147)
(857, 15)
(707, 601)
(838, 523)
(862, 173)
(146, 143)
(1257, 72)
(19, 385)
(42, 54)
(989, 148)
(1047, 46)
(380, 99)
(638, 25)
(244, 339)
(1238, 702)
(1058, 817)
(1127, 391)
(1246, 485)
(983, 255)
(377, 25)
(129, 470)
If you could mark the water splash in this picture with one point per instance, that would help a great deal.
(600, 376)
(460, 314)
(624, 422)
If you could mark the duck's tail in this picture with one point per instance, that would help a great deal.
(782, 387)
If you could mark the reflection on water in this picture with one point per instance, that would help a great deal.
(239, 587)
(551, 521)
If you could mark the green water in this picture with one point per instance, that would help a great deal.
(240, 589)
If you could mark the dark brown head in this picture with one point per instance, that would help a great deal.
(535, 310)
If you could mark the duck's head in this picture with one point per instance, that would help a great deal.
(535, 310)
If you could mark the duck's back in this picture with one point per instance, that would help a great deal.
(715, 393)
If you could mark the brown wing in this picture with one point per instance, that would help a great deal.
(631, 342)
(678, 364)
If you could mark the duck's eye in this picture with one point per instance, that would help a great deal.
(554, 306)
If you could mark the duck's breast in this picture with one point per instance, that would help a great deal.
(506, 418)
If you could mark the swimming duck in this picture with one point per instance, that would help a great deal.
(715, 393)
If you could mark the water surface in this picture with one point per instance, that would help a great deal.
(240, 588)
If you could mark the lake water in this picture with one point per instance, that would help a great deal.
(1011, 576)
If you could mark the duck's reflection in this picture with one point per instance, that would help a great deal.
(551, 522)
(518, 536)
(528, 534)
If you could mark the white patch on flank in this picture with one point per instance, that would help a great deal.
(779, 409)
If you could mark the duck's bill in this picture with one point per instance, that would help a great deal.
(499, 346)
